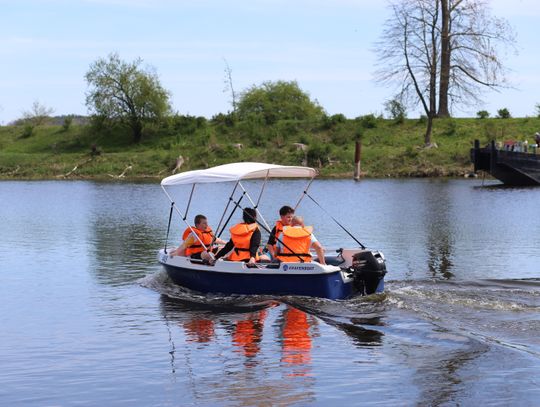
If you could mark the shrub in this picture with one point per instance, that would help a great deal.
(503, 113)
(340, 136)
(482, 114)
(490, 131)
(68, 120)
(221, 119)
(317, 154)
(330, 122)
(396, 110)
(450, 128)
(28, 130)
(537, 107)
(368, 121)
(422, 119)
(187, 124)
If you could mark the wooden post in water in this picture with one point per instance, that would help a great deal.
(357, 159)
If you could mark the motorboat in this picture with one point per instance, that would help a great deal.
(349, 272)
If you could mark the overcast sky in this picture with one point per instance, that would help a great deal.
(47, 46)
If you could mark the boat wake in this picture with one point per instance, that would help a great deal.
(162, 284)
(495, 312)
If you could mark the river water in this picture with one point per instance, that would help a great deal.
(87, 316)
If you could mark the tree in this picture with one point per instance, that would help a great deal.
(442, 52)
(229, 85)
(396, 110)
(126, 93)
(503, 113)
(37, 115)
(279, 100)
(537, 107)
(482, 114)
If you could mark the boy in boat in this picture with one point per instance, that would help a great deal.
(296, 240)
(286, 214)
(191, 246)
(245, 240)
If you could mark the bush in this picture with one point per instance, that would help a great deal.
(187, 124)
(396, 110)
(228, 120)
(279, 100)
(330, 122)
(503, 113)
(368, 121)
(28, 130)
(68, 120)
(482, 114)
(317, 154)
(537, 107)
(422, 119)
(340, 136)
(450, 128)
(490, 131)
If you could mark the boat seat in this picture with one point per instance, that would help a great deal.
(335, 260)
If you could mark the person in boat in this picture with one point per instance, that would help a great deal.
(286, 214)
(245, 240)
(296, 241)
(191, 246)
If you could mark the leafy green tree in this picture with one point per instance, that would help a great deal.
(537, 109)
(482, 114)
(396, 110)
(279, 100)
(124, 92)
(503, 113)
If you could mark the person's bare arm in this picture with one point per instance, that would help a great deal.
(320, 252)
(179, 251)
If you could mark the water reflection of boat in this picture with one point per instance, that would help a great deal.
(296, 348)
(353, 271)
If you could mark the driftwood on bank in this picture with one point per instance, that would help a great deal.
(179, 163)
(123, 174)
(67, 174)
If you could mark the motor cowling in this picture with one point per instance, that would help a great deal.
(368, 269)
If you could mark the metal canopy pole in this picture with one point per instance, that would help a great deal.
(189, 200)
(225, 211)
(184, 218)
(254, 206)
(304, 193)
(262, 189)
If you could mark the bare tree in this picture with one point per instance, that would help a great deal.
(442, 52)
(471, 42)
(38, 114)
(229, 84)
(409, 55)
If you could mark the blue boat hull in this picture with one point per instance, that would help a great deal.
(326, 285)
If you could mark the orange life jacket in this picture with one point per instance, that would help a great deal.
(241, 237)
(279, 229)
(296, 244)
(296, 338)
(205, 236)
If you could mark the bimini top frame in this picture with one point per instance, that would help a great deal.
(235, 172)
(238, 172)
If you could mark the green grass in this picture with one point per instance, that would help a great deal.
(388, 149)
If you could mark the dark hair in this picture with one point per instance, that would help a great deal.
(285, 210)
(249, 215)
(199, 219)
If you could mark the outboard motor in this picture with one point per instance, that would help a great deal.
(368, 268)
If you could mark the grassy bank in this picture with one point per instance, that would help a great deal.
(388, 149)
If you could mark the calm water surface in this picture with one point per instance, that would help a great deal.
(87, 316)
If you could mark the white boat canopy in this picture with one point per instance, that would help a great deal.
(237, 172)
